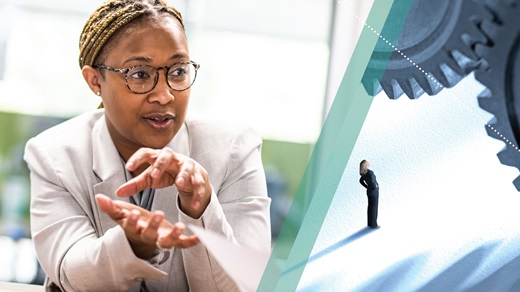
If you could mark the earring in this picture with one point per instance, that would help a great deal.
(98, 93)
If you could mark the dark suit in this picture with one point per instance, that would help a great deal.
(368, 180)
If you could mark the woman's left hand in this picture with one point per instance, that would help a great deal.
(168, 168)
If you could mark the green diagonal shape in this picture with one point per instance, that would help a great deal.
(331, 154)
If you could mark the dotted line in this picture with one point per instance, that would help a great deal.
(432, 78)
(426, 73)
(493, 129)
(503, 138)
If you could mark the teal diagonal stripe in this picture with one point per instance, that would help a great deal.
(330, 155)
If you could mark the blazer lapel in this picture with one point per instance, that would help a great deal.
(108, 167)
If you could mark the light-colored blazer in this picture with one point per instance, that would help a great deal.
(81, 249)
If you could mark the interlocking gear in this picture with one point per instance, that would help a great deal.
(502, 78)
(437, 40)
(440, 43)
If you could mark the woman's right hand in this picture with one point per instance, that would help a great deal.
(146, 231)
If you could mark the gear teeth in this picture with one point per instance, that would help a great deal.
(484, 100)
(446, 75)
(507, 156)
(502, 156)
(470, 43)
(440, 76)
(452, 77)
(450, 62)
(393, 89)
(411, 88)
(503, 30)
(467, 64)
(376, 87)
(421, 80)
(489, 29)
(372, 88)
(516, 183)
(481, 50)
(433, 87)
(485, 103)
(448, 57)
(470, 39)
(486, 93)
(485, 77)
(501, 132)
(490, 131)
(407, 87)
(492, 121)
(496, 130)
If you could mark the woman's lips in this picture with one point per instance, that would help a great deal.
(159, 121)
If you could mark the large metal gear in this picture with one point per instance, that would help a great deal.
(436, 49)
(502, 78)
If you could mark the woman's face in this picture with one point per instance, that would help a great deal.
(151, 119)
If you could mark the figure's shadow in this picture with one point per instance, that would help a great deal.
(360, 233)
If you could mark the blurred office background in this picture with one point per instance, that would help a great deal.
(272, 64)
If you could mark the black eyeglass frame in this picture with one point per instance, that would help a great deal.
(166, 70)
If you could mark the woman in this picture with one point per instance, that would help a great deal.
(368, 180)
(142, 146)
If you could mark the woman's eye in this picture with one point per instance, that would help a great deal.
(179, 71)
(140, 74)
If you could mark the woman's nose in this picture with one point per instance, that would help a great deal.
(162, 93)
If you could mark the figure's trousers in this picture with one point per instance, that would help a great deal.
(373, 201)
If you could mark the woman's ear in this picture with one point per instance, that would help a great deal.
(92, 77)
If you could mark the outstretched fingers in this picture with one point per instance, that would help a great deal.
(150, 228)
(174, 237)
(132, 224)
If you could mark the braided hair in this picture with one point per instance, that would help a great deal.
(110, 17)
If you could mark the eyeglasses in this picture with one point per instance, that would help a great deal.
(142, 79)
